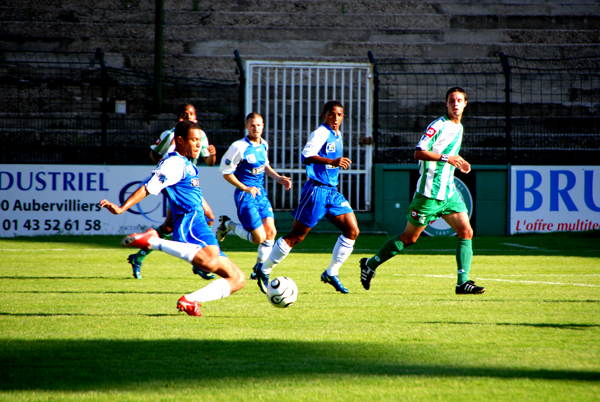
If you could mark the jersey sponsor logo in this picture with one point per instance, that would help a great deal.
(330, 147)
(195, 182)
(251, 158)
(430, 132)
(190, 169)
(258, 170)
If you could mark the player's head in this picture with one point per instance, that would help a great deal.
(254, 125)
(186, 111)
(456, 89)
(456, 101)
(333, 114)
(187, 139)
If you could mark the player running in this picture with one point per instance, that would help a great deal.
(164, 145)
(244, 166)
(436, 196)
(320, 198)
(194, 241)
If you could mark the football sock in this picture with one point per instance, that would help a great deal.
(389, 249)
(264, 249)
(239, 230)
(342, 250)
(279, 252)
(464, 254)
(183, 251)
(140, 255)
(215, 290)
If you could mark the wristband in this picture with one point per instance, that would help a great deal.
(444, 158)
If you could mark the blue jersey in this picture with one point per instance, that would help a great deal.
(246, 161)
(178, 177)
(326, 143)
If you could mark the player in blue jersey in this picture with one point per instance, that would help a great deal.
(244, 165)
(177, 177)
(436, 197)
(323, 157)
(164, 145)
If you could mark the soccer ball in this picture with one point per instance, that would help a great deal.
(282, 292)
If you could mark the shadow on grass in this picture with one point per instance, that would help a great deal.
(114, 365)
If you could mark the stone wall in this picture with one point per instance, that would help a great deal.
(200, 36)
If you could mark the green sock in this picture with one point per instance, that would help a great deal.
(140, 255)
(464, 254)
(389, 249)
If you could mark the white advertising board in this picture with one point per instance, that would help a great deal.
(64, 199)
(554, 199)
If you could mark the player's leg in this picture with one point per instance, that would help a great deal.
(164, 232)
(459, 221)
(343, 248)
(280, 251)
(250, 226)
(266, 246)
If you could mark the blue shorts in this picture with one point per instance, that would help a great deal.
(251, 211)
(317, 201)
(192, 228)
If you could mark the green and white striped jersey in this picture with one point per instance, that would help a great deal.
(442, 136)
(163, 144)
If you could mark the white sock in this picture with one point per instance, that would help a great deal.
(239, 230)
(264, 250)
(278, 253)
(215, 290)
(342, 250)
(184, 251)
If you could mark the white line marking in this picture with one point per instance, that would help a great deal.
(520, 245)
(509, 280)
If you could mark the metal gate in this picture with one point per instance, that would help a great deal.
(290, 96)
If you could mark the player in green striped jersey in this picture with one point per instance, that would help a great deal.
(436, 197)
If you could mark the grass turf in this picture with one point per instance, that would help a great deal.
(75, 325)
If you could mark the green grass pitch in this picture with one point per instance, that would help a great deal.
(75, 325)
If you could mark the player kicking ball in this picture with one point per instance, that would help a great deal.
(436, 196)
(194, 241)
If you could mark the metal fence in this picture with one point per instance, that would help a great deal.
(62, 107)
(72, 108)
(520, 111)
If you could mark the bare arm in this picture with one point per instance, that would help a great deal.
(285, 181)
(133, 199)
(456, 161)
(212, 158)
(238, 184)
(342, 162)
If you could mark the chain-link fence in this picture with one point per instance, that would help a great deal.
(519, 111)
(71, 108)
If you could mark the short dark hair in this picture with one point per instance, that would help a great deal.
(183, 128)
(252, 115)
(456, 89)
(330, 105)
(181, 109)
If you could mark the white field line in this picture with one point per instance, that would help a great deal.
(520, 245)
(510, 280)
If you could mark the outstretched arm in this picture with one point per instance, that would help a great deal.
(285, 181)
(133, 199)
